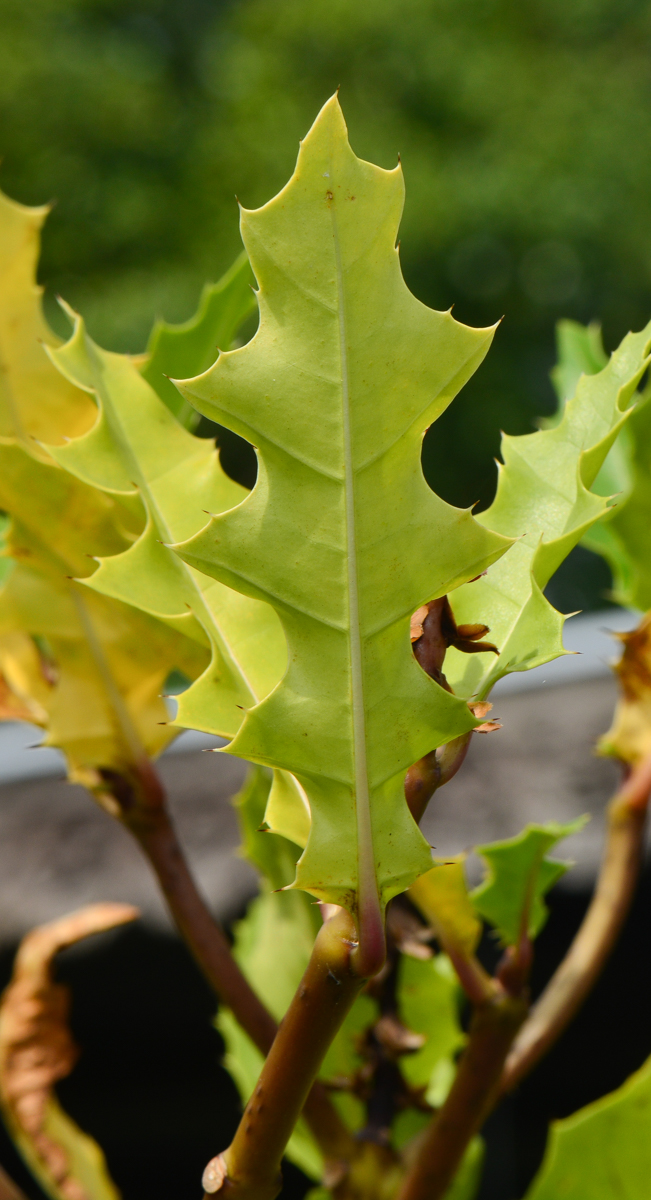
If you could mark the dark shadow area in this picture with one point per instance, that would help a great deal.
(150, 1088)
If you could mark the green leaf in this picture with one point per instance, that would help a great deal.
(273, 856)
(428, 994)
(579, 351)
(519, 875)
(625, 540)
(544, 498)
(177, 351)
(341, 533)
(602, 1152)
(136, 448)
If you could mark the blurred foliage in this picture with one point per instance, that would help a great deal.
(522, 130)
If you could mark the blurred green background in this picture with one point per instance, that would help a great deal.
(524, 131)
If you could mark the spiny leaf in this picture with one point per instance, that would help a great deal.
(629, 738)
(544, 499)
(273, 856)
(181, 350)
(97, 668)
(519, 875)
(441, 895)
(137, 448)
(602, 1152)
(341, 533)
(625, 539)
(91, 673)
(579, 351)
(36, 1050)
(34, 398)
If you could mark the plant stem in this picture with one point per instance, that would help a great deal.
(250, 1168)
(143, 809)
(584, 961)
(493, 1028)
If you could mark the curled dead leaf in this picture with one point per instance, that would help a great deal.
(36, 1050)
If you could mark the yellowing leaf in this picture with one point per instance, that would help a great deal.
(35, 401)
(341, 533)
(441, 895)
(95, 673)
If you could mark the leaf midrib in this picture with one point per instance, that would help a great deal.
(368, 889)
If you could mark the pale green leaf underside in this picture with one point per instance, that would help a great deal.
(341, 533)
(519, 875)
(544, 498)
(136, 447)
(602, 1152)
(176, 351)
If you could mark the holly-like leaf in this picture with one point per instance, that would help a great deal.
(602, 1152)
(519, 876)
(89, 669)
(544, 499)
(579, 351)
(137, 448)
(34, 398)
(36, 1050)
(176, 351)
(86, 668)
(442, 897)
(625, 539)
(341, 533)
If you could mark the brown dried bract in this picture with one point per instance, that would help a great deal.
(629, 737)
(36, 1047)
(434, 629)
(480, 708)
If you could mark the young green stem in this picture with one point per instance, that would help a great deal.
(250, 1168)
(143, 809)
(493, 1028)
(584, 961)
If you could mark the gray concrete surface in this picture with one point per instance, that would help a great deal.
(59, 850)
